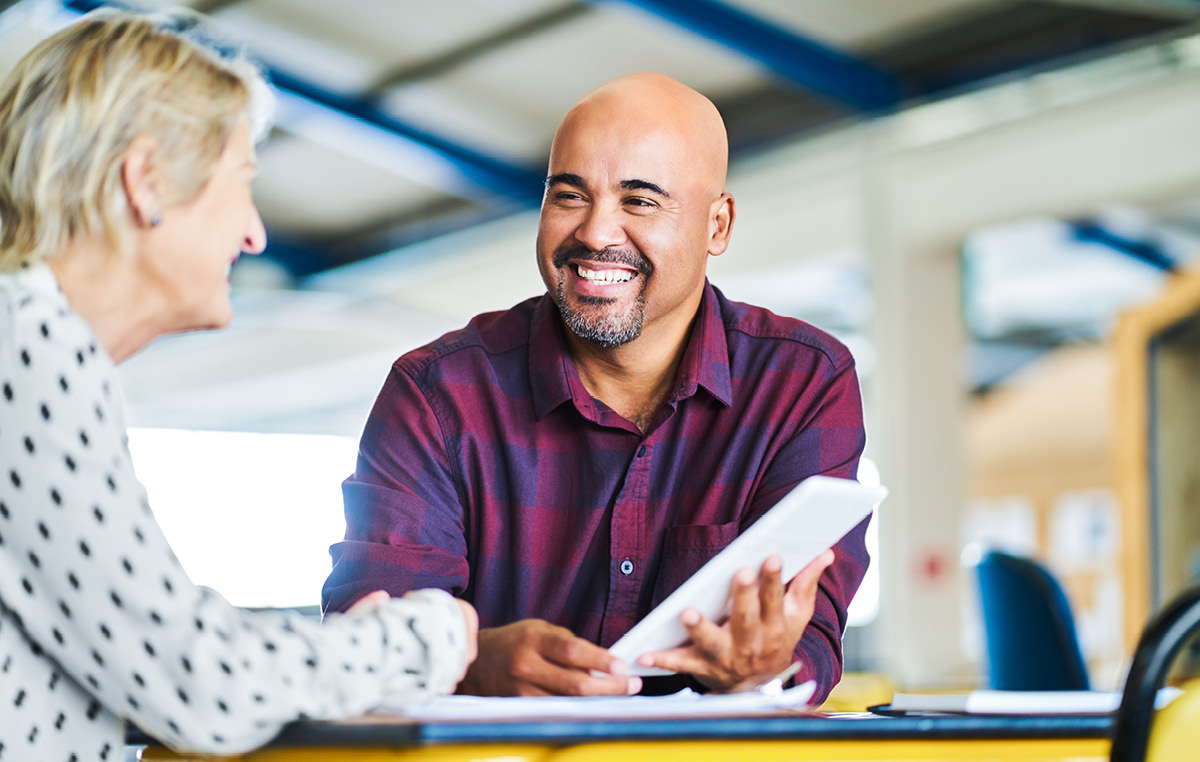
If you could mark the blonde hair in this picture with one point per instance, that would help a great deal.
(71, 108)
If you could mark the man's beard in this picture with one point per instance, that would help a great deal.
(598, 325)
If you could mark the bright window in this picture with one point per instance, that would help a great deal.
(865, 605)
(250, 515)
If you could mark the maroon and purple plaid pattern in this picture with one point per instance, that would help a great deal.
(487, 469)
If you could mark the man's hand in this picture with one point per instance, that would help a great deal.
(757, 642)
(535, 658)
(471, 618)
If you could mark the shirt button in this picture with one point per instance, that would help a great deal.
(627, 566)
(641, 451)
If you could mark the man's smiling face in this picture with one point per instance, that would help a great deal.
(601, 291)
(624, 233)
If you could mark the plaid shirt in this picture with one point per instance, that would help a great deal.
(487, 469)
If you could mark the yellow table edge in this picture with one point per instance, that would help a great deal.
(800, 750)
(792, 750)
(448, 753)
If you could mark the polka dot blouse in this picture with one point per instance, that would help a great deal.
(99, 624)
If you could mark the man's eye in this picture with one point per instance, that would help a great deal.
(643, 203)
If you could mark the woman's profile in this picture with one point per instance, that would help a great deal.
(126, 156)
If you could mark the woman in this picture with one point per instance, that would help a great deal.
(125, 166)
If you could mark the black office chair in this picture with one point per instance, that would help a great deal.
(1031, 642)
(1161, 642)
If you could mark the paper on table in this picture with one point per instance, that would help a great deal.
(686, 703)
(1020, 702)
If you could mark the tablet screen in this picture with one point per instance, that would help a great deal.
(809, 519)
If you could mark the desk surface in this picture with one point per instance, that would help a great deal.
(395, 732)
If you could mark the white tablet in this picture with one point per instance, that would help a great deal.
(809, 519)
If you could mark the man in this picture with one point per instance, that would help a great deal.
(566, 464)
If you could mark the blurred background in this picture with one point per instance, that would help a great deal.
(994, 203)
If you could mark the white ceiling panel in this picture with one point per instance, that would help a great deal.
(495, 129)
(367, 37)
(280, 45)
(312, 189)
(509, 101)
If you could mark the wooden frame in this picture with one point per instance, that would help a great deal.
(1143, 373)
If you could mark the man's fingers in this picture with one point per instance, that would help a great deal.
(802, 590)
(708, 645)
(561, 681)
(567, 650)
(704, 636)
(745, 616)
(471, 620)
(685, 659)
(811, 573)
(532, 657)
(577, 667)
(770, 594)
(766, 618)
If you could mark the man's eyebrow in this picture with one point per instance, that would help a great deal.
(565, 178)
(644, 185)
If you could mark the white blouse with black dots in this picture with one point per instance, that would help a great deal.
(99, 623)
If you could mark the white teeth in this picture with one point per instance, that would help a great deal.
(604, 276)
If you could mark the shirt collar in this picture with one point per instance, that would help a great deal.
(555, 380)
(551, 371)
(41, 279)
(705, 361)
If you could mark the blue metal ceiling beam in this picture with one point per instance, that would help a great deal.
(1149, 252)
(483, 172)
(798, 60)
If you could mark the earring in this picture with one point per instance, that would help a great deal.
(156, 220)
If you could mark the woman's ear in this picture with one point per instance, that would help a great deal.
(143, 181)
(720, 224)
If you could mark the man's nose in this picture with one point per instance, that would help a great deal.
(600, 228)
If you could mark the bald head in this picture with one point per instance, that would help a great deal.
(635, 205)
(653, 108)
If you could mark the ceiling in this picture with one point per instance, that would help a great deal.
(407, 160)
(401, 120)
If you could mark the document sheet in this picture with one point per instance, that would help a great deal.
(686, 703)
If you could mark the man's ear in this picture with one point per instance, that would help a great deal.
(142, 180)
(720, 224)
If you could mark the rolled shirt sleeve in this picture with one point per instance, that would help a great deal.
(404, 514)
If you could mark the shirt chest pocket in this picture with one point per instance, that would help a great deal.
(685, 549)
